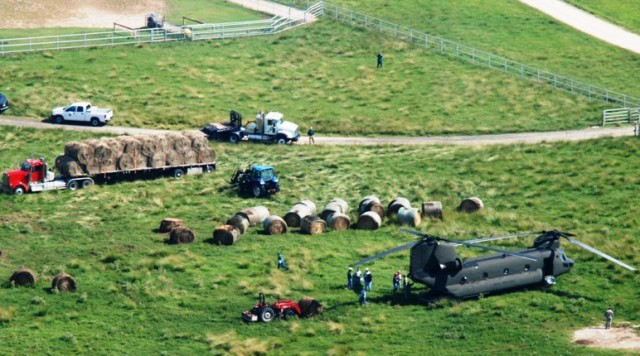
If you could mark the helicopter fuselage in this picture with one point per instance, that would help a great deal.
(437, 265)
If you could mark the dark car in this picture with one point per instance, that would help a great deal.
(4, 103)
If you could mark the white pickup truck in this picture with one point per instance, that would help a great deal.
(81, 112)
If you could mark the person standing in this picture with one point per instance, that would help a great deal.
(350, 278)
(363, 297)
(608, 318)
(380, 58)
(397, 277)
(281, 262)
(357, 280)
(368, 278)
(310, 133)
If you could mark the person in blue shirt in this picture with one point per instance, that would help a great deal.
(281, 262)
(368, 278)
(363, 297)
(350, 278)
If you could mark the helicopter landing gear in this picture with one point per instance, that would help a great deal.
(549, 280)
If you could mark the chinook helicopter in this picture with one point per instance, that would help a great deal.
(435, 263)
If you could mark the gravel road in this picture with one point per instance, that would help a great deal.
(527, 137)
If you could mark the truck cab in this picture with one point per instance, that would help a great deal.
(34, 176)
(272, 128)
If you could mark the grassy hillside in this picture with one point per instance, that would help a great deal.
(323, 75)
(623, 13)
(139, 295)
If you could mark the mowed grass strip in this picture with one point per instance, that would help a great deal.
(138, 295)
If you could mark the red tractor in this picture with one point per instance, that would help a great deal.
(285, 308)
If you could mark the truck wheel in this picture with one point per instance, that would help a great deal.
(257, 191)
(289, 314)
(95, 121)
(18, 191)
(234, 138)
(73, 185)
(267, 314)
(86, 183)
(281, 140)
(59, 119)
(178, 173)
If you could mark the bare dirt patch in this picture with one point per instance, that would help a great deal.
(624, 338)
(78, 13)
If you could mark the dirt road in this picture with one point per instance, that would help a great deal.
(529, 137)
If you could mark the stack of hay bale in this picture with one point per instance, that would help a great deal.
(178, 233)
(371, 213)
(405, 214)
(335, 214)
(128, 153)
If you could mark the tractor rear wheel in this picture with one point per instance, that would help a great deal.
(267, 314)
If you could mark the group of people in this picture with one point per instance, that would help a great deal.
(362, 283)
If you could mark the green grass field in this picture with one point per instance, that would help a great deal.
(139, 295)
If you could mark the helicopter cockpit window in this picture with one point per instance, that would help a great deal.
(506, 271)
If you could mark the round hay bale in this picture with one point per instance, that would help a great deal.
(79, 151)
(149, 145)
(23, 277)
(115, 144)
(369, 221)
(172, 158)
(207, 155)
(102, 152)
(409, 216)
(181, 235)
(396, 204)
(64, 283)
(240, 222)
(470, 205)
(167, 224)
(274, 225)
(299, 211)
(199, 141)
(131, 145)
(310, 307)
(344, 207)
(313, 225)
(126, 162)
(366, 201)
(334, 205)
(190, 157)
(371, 203)
(69, 167)
(338, 221)
(181, 143)
(157, 160)
(225, 235)
(255, 215)
(432, 209)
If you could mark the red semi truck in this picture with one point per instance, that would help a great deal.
(34, 175)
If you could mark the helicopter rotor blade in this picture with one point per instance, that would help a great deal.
(385, 253)
(599, 253)
(491, 249)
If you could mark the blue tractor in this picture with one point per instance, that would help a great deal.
(258, 181)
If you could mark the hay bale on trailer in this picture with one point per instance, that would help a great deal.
(275, 225)
(396, 204)
(79, 151)
(338, 221)
(240, 222)
(225, 235)
(470, 205)
(255, 215)
(23, 277)
(410, 216)
(157, 160)
(199, 141)
(167, 224)
(371, 203)
(310, 307)
(181, 235)
(64, 282)
(149, 145)
(369, 220)
(432, 209)
(69, 167)
(298, 212)
(313, 225)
